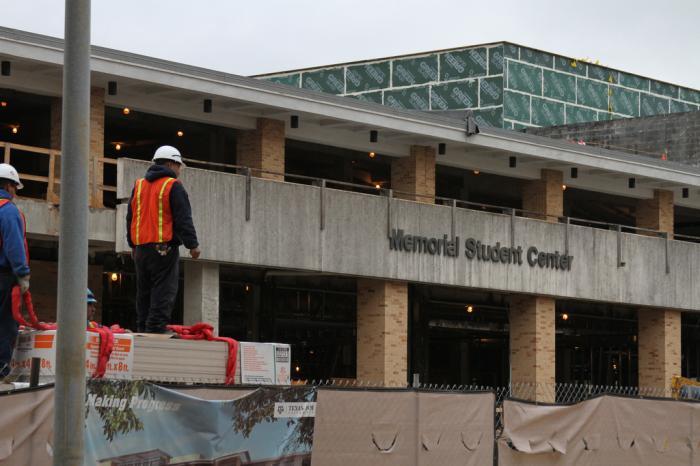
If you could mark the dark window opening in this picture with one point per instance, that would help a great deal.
(599, 207)
(596, 344)
(458, 336)
(475, 186)
(686, 221)
(690, 345)
(333, 163)
(26, 119)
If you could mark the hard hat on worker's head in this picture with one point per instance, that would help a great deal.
(168, 153)
(8, 172)
(91, 297)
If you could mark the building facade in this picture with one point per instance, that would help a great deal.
(379, 242)
(507, 85)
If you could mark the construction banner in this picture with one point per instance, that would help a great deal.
(135, 422)
(138, 423)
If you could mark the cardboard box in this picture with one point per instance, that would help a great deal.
(42, 344)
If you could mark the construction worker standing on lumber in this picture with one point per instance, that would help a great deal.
(158, 221)
(14, 261)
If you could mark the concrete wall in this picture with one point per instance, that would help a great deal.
(284, 231)
(676, 135)
(43, 221)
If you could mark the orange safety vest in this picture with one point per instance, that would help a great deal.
(152, 219)
(3, 202)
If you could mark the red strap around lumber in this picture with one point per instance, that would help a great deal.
(202, 331)
(106, 333)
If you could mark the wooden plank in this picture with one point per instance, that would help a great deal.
(45, 179)
(51, 190)
(36, 150)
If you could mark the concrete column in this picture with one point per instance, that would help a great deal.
(262, 148)
(415, 174)
(656, 213)
(659, 348)
(532, 347)
(97, 141)
(545, 195)
(201, 297)
(382, 332)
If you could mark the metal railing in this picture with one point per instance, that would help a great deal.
(390, 194)
(52, 176)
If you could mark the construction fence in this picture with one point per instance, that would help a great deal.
(357, 423)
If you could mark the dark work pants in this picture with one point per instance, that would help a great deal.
(8, 326)
(156, 287)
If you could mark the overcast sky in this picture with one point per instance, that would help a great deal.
(659, 39)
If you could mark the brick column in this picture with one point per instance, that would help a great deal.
(97, 141)
(545, 195)
(52, 195)
(262, 148)
(415, 174)
(659, 348)
(97, 145)
(201, 294)
(656, 213)
(532, 347)
(382, 332)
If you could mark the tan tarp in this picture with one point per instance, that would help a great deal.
(26, 428)
(402, 428)
(377, 427)
(603, 431)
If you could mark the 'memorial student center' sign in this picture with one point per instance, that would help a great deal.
(473, 249)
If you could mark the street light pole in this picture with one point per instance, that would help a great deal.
(69, 414)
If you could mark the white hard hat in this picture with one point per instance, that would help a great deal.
(8, 172)
(168, 153)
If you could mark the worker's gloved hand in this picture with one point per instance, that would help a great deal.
(23, 283)
(195, 252)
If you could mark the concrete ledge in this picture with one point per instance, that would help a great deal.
(43, 222)
(284, 231)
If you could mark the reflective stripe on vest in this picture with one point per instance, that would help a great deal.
(3, 203)
(152, 220)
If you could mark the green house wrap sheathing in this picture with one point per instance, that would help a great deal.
(506, 85)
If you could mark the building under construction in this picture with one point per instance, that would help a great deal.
(388, 234)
